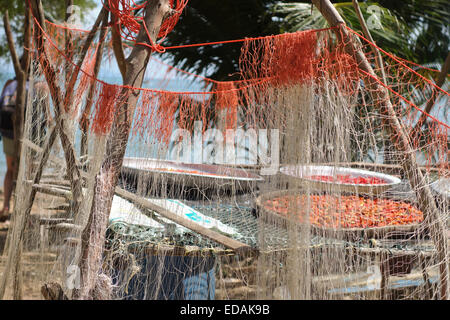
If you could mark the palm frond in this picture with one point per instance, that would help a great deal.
(301, 16)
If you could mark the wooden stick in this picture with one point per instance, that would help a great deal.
(84, 121)
(76, 69)
(376, 52)
(55, 91)
(215, 236)
(417, 180)
(21, 78)
(11, 45)
(118, 47)
(68, 41)
(435, 93)
(53, 221)
(53, 191)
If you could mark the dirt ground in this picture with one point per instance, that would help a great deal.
(37, 266)
(34, 264)
(234, 280)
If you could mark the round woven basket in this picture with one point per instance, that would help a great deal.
(350, 234)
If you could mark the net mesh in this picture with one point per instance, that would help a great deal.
(290, 183)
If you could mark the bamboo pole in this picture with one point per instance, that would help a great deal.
(76, 69)
(409, 163)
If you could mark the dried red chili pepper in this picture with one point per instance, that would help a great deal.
(347, 211)
(348, 179)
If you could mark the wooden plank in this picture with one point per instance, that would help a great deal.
(364, 282)
(397, 284)
(235, 245)
(54, 191)
(54, 221)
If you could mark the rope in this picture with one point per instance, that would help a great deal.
(131, 23)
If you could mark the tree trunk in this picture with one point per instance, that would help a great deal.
(21, 71)
(93, 236)
(21, 67)
(21, 218)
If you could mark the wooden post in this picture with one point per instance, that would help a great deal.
(418, 182)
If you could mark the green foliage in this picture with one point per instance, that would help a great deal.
(216, 20)
(417, 30)
(54, 10)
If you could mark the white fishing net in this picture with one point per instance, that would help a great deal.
(291, 183)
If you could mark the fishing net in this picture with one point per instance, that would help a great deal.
(320, 174)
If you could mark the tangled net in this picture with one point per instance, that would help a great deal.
(128, 23)
(190, 230)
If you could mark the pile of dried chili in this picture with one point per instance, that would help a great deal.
(346, 211)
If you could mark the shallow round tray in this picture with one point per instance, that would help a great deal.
(303, 172)
(206, 175)
(350, 234)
